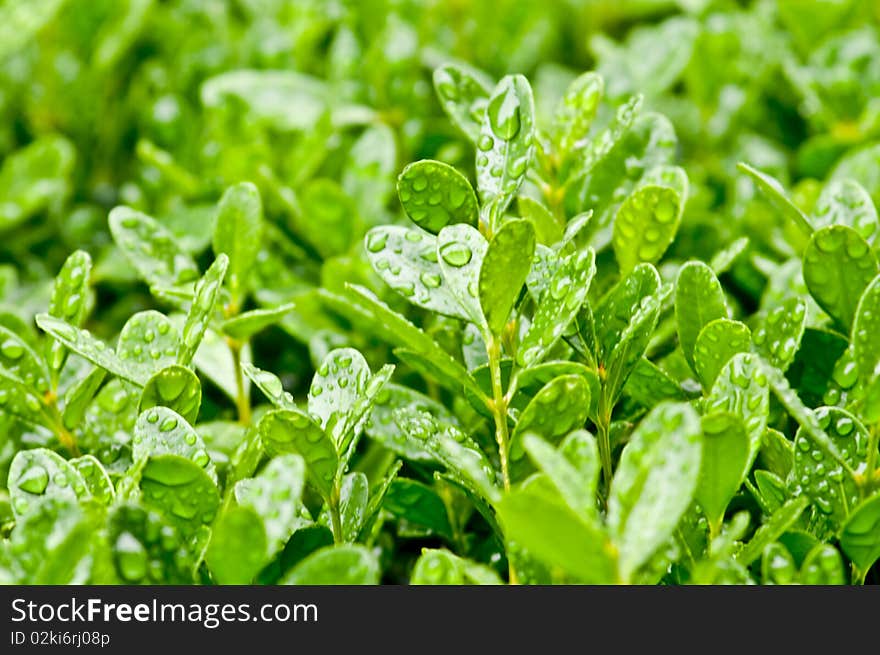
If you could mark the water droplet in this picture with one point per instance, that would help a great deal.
(168, 424)
(12, 349)
(430, 280)
(456, 254)
(131, 557)
(376, 241)
(503, 112)
(34, 480)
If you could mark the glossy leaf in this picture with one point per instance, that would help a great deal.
(860, 535)
(504, 270)
(779, 338)
(148, 343)
(464, 94)
(865, 338)
(291, 431)
(97, 480)
(699, 300)
(845, 202)
(724, 464)
(823, 565)
(238, 234)
(838, 266)
(577, 492)
(270, 385)
(20, 362)
(434, 195)
(247, 324)
(654, 483)
(162, 431)
(275, 495)
(151, 249)
(181, 489)
(39, 474)
(337, 565)
(556, 535)
(418, 504)
(774, 192)
(204, 298)
(646, 224)
(69, 300)
(559, 304)
(337, 383)
(175, 387)
(781, 520)
(460, 252)
(717, 342)
(505, 145)
(440, 567)
(406, 259)
(577, 109)
(741, 389)
(237, 550)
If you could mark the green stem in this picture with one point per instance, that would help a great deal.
(498, 405)
(335, 516)
(65, 437)
(857, 575)
(242, 399)
(873, 444)
(604, 439)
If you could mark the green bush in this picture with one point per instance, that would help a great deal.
(394, 291)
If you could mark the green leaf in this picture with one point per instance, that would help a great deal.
(270, 385)
(556, 535)
(505, 267)
(237, 550)
(96, 478)
(145, 549)
(845, 202)
(725, 461)
(654, 484)
(781, 520)
(69, 300)
(51, 543)
(723, 260)
(20, 362)
(406, 259)
(19, 400)
(204, 298)
(379, 319)
(161, 431)
(865, 338)
(354, 495)
(181, 489)
(40, 474)
(327, 217)
(440, 567)
(247, 324)
(292, 431)
(718, 341)
(779, 338)
(382, 428)
(336, 565)
(337, 384)
(460, 252)
(37, 176)
(147, 344)
(615, 312)
(646, 224)
(275, 495)
(838, 266)
(774, 192)
(741, 389)
(577, 490)
(559, 305)
(649, 385)
(699, 300)
(805, 417)
(777, 453)
(823, 565)
(548, 229)
(777, 565)
(505, 146)
(558, 408)
(151, 249)
(860, 536)
(434, 195)
(464, 94)
(832, 491)
(418, 504)
(576, 111)
(23, 22)
(238, 233)
(175, 387)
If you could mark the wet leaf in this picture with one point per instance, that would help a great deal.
(406, 259)
(270, 385)
(654, 483)
(559, 305)
(774, 192)
(781, 520)
(275, 495)
(724, 464)
(336, 565)
(291, 431)
(237, 550)
(464, 94)
(162, 431)
(838, 265)
(38, 475)
(205, 296)
(779, 338)
(741, 389)
(440, 567)
(505, 267)
(238, 233)
(718, 341)
(460, 253)
(418, 504)
(505, 145)
(860, 535)
(151, 249)
(434, 195)
(247, 324)
(699, 300)
(181, 489)
(69, 300)
(845, 202)
(175, 387)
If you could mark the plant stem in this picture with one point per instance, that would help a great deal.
(498, 404)
(604, 439)
(873, 443)
(857, 576)
(242, 399)
(65, 437)
(335, 517)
